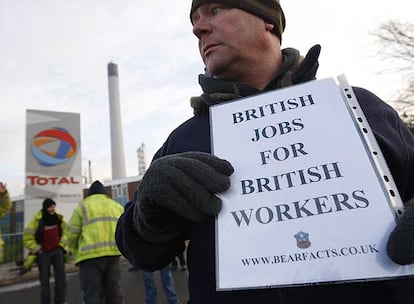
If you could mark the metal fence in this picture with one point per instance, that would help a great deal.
(12, 259)
(11, 226)
(13, 247)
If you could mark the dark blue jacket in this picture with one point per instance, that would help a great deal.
(397, 145)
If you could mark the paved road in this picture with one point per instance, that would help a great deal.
(132, 288)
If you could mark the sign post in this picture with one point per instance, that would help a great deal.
(53, 161)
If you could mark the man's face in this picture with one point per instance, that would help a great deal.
(51, 209)
(230, 40)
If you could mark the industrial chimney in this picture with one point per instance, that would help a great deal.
(117, 141)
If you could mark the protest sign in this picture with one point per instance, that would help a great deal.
(308, 202)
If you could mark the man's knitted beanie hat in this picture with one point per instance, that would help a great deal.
(269, 10)
(96, 188)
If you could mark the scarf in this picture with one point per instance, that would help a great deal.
(294, 69)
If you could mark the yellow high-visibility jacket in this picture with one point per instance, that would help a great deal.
(91, 228)
(29, 233)
(5, 205)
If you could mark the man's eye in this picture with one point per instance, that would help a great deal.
(215, 10)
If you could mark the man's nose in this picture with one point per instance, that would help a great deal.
(201, 27)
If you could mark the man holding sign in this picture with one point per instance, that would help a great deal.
(239, 43)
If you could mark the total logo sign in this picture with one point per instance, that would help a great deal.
(53, 147)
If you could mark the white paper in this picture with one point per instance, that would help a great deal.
(306, 203)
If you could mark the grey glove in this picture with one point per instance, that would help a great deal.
(400, 245)
(179, 185)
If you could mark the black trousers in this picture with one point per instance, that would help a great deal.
(100, 280)
(54, 259)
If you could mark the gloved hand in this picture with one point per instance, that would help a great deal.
(179, 185)
(400, 245)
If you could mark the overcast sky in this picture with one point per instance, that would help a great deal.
(54, 57)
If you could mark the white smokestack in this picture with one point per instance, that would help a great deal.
(117, 141)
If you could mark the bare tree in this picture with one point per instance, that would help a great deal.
(397, 41)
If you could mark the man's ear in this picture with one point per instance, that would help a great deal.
(269, 27)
